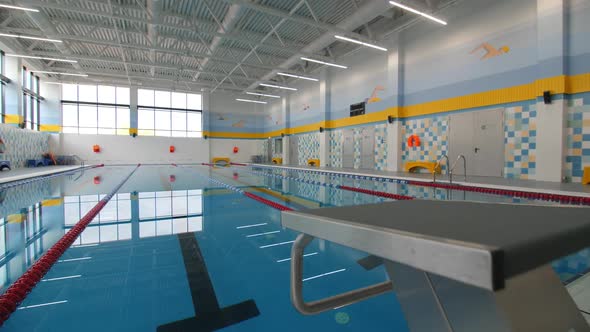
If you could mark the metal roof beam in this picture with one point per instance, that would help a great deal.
(187, 24)
(113, 43)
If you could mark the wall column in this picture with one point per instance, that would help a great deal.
(285, 121)
(325, 105)
(133, 110)
(13, 97)
(551, 118)
(395, 82)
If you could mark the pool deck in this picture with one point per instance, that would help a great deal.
(25, 173)
(571, 189)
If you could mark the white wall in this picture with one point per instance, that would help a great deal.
(225, 147)
(129, 150)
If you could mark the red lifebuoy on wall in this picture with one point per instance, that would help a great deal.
(96, 148)
(236, 149)
(172, 149)
(413, 141)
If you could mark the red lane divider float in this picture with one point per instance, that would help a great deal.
(260, 199)
(18, 291)
(267, 202)
(377, 193)
(566, 199)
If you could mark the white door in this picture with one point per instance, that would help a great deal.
(479, 136)
(368, 148)
(488, 150)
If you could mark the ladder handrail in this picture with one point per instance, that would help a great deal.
(438, 163)
(455, 164)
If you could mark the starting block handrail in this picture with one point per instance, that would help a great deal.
(318, 306)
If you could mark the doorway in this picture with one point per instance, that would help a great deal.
(479, 136)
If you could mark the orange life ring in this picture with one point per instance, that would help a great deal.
(236, 149)
(413, 141)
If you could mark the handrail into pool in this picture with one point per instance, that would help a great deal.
(438, 164)
(18, 291)
(318, 306)
(455, 164)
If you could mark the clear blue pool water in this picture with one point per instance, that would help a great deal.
(174, 249)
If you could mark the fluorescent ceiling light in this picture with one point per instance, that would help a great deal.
(262, 94)
(57, 73)
(20, 8)
(278, 87)
(301, 77)
(251, 101)
(29, 37)
(361, 43)
(41, 58)
(430, 17)
(324, 63)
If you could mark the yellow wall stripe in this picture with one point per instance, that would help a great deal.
(557, 85)
(13, 118)
(50, 128)
(15, 218)
(52, 202)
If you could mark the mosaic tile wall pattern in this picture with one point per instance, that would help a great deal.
(520, 140)
(578, 139)
(335, 145)
(381, 147)
(13, 199)
(308, 147)
(23, 144)
(434, 138)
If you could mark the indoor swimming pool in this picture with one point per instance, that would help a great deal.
(182, 248)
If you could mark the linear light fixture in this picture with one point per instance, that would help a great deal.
(251, 101)
(278, 87)
(361, 43)
(41, 58)
(58, 73)
(29, 37)
(324, 63)
(262, 95)
(430, 17)
(20, 8)
(300, 77)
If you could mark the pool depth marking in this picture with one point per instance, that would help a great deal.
(288, 259)
(209, 316)
(248, 226)
(62, 278)
(41, 305)
(261, 234)
(324, 274)
(74, 259)
(276, 244)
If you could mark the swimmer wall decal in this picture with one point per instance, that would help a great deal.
(374, 98)
(239, 124)
(490, 51)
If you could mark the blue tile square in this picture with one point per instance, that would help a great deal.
(577, 131)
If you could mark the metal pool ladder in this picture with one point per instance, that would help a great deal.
(438, 164)
(455, 164)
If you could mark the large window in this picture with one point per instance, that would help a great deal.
(171, 114)
(31, 99)
(92, 109)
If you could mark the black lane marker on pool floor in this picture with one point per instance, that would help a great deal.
(209, 316)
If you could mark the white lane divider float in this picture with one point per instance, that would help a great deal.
(288, 259)
(62, 278)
